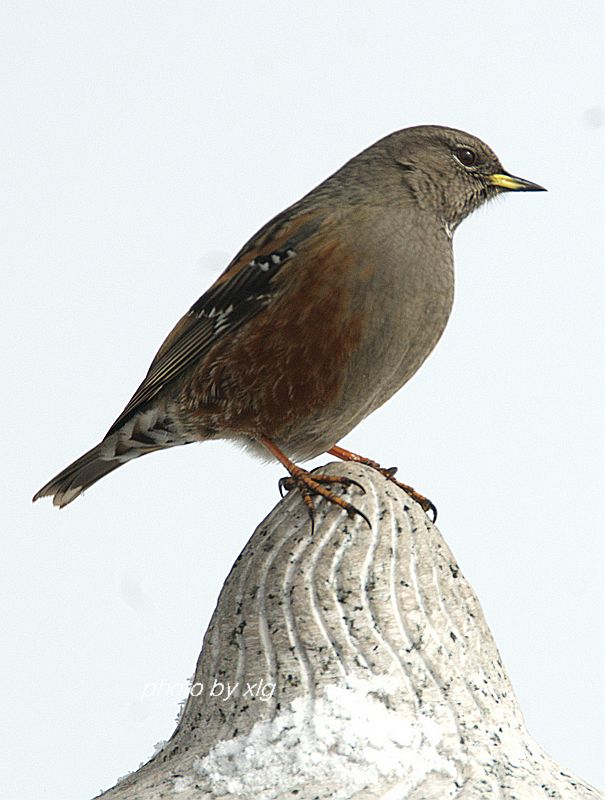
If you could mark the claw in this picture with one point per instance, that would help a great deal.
(389, 472)
(354, 510)
(310, 485)
(344, 481)
(432, 508)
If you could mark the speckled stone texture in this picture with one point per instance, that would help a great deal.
(354, 663)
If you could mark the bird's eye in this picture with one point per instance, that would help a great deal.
(465, 156)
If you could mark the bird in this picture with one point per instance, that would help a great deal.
(323, 315)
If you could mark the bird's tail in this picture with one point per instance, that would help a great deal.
(143, 433)
(77, 477)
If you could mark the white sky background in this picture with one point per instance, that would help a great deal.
(141, 144)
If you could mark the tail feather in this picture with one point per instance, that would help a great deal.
(144, 433)
(77, 477)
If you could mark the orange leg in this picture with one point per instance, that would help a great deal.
(347, 455)
(310, 485)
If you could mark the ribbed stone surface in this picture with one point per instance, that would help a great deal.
(354, 663)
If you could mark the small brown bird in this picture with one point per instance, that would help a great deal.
(322, 316)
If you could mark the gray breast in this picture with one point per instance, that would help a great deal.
(402, 288)
(405, 303)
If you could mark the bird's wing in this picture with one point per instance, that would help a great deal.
(241, 292)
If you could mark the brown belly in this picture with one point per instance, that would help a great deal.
(283, 371)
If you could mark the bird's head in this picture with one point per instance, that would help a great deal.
(446, 171)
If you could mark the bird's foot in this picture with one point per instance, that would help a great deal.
(389, 472)
(425, 504)
(312, 485)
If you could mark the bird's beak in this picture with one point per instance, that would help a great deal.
(512, 184)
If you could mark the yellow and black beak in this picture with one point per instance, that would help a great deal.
(512, 184)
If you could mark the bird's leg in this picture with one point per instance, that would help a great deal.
(388, 472)
(310, 485)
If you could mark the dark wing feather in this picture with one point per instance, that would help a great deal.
(243, 290)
